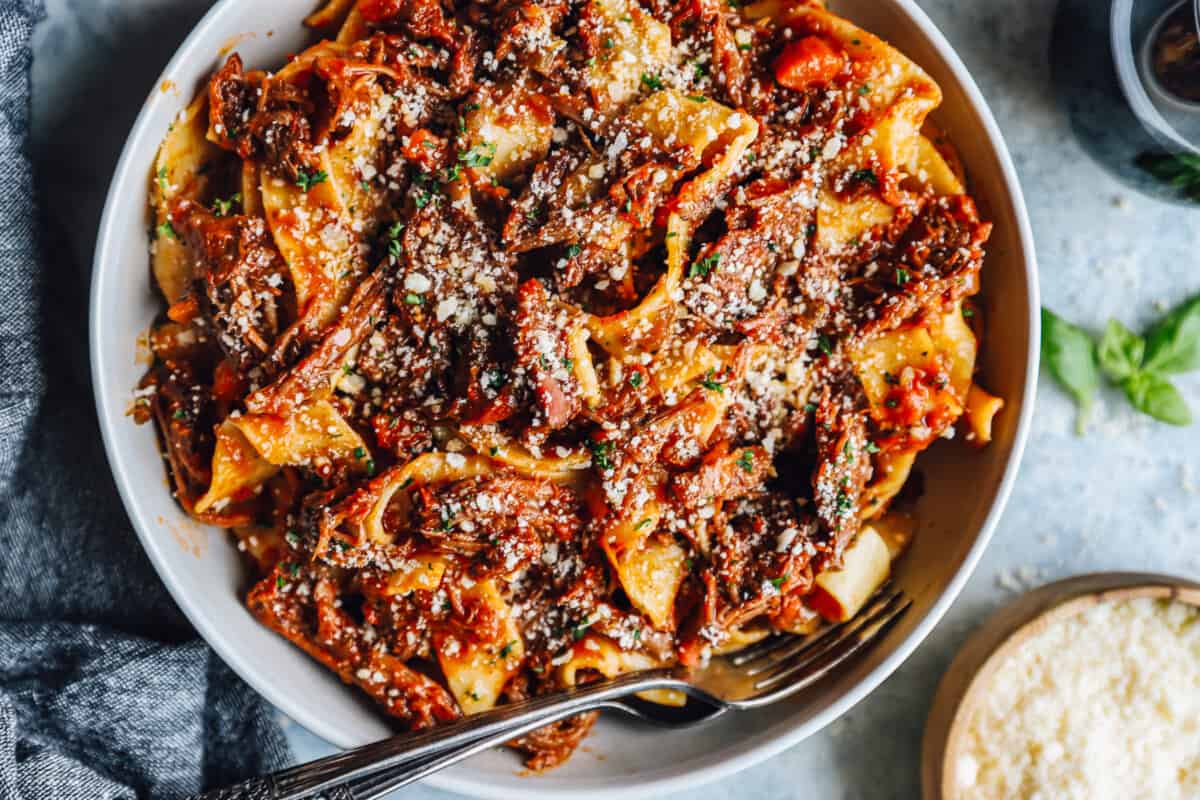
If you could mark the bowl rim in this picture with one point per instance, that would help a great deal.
(129, 167)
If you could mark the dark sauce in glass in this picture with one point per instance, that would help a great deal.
(1089, 60)
(1176, 55)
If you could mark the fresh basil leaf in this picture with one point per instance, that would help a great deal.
(1120, 351)
(1153, 394)
(1070, 355)
(1181, 170)
(1173, 344)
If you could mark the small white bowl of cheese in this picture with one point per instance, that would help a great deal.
(1085, 688)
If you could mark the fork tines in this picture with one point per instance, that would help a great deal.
(782, 657)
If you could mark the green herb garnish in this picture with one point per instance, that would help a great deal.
(1139, 364)
(480, 155)
(711, 383)
(601, 452)
(223, 208)
(704, 266)
(1181, 170)
(307, 180)
(652, 82)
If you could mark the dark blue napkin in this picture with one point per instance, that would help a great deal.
(105, 692)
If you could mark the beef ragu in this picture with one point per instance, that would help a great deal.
(525, 343)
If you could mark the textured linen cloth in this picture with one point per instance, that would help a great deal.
(104, 690)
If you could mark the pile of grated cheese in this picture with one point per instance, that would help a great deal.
(1103, 704)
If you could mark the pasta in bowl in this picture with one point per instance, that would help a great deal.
(522, 344)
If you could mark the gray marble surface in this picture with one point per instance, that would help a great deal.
(1126, 496)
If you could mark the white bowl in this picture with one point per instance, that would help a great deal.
(965, 490)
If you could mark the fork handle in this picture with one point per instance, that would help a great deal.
(381, 784)
(264, 789)
(498, 725)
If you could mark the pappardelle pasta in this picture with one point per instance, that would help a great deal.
(530, 341)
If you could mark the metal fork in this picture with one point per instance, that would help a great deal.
(763, 673)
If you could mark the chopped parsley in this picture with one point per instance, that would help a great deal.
(778, 582)
(843, 503)
(423, 198)
(902, 276)
(651, 82)
(179, 414)
(601, 452)
(579, 630)
(697, 98)
(395, 248)
(711, 383)
(825, 345)
(168, 230)
(968, 312)
(848, 451)
(642, 524)
(635, 380)
(413, 299)
(746, 460)
(865, 176)
(480, 155)
(506, 651)
(223, 208)
(307, 180)
(872, 448)
(864, 89)
(574, 250)
(609, 44)
(360, 452)
(704, 266)
(162, 178)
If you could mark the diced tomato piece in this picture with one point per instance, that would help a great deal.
(808, 63)
(227, 385)
(379, 10)
(427, 149)
(184, 311)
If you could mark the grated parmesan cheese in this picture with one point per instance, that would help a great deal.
(1102, 704)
